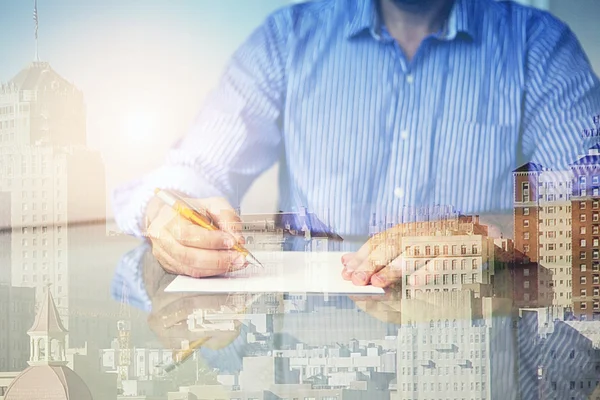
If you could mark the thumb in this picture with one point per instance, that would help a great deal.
(224, 216)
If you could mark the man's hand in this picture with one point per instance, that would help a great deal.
(377, 262)
(187, 249)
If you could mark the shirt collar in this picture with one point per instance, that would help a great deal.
(364, 15)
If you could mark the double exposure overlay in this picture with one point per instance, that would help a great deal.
(300, 200)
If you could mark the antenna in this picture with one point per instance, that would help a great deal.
(35, 18)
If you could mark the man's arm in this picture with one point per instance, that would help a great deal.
(562, 96)
(235, 137)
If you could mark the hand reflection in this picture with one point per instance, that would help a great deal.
(177, 318)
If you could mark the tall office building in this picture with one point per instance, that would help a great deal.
(53, 179)
(543, 224)
(456, 345)
(557, 224)
(586, 233)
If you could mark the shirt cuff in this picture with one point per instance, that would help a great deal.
(130, 201)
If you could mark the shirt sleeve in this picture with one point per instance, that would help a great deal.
(561, 98)
(235, 137)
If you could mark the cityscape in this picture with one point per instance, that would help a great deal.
(480, 313)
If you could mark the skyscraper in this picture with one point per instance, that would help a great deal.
(52, 178)
(557, 224)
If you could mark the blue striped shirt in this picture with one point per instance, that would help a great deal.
(360, 129)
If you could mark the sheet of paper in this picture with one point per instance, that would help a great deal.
(291, 272)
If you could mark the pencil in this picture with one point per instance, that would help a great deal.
(181, 356)
(196, 217)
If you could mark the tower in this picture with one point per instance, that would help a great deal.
(48, 376)
(47, 336)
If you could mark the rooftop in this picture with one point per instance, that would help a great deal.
(39, 75)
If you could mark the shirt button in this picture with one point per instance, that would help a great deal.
(410, 78)
(404, 135)
(399, 192)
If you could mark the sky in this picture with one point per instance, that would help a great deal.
(144, 66)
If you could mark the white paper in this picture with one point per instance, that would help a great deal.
(289, 272)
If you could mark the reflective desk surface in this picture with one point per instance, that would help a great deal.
(124, 334)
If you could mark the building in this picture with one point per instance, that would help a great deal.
(543, 224)
(5, 238)
(299, 231)
(557, 224)
(46, 171)
(48, 375)
(441, 254)
(569, 361)
(456, 345)
(16, 316)
(527, 283)
(586, 234)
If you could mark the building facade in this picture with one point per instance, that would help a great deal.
(16, 316)
(557, 224)
(46, 170)
(456, 345)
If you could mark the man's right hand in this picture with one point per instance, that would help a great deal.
(187, 249)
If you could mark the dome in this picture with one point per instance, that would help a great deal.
(45, 382)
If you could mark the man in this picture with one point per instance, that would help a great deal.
(371, 106)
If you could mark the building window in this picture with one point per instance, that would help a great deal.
(526, 223)
(526, 236)
(526, 272)
(526, 211)
(582, 203)
(582, 230)
(582, 255)
(526, 284)
(583, 267)
(583, 280)
(583, 305)
(582, 242)
(526, 248)
(526, 194)
(582, 218)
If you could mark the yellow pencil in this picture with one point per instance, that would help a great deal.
(188, 212)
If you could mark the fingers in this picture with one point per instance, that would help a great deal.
(194, 262)
(225, 216)
(389, 275)
(192, 235)
(373, 256)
